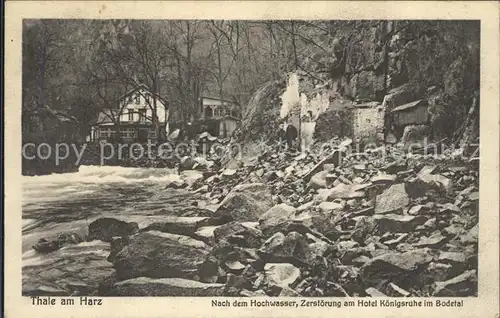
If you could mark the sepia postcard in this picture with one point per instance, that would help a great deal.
(251, 159)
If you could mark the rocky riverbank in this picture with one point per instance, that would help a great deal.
(376, 223)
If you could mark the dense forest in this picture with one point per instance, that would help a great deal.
(76, 68)
(82, 66)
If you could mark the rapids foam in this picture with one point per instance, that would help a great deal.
(106, 174)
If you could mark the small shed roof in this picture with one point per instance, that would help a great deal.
(408, 106)
(218, 98)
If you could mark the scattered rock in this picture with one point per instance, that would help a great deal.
(401, 268)
(288, 292)
(274, 218)
(238, 234)
(105, 229)
(167, 287)
(330, 206)
(249, 293)
(392, 200)
(246, 202)
(292, 248)
(464, 284)
(373, 292)
(191, 177)
(235, 266)
(158, 255)
(471, 236)
(340, 191)
(281, 274)
(364, 226)
(116, 245)
(398, 223)
(439, 271)
(433, 241)
(423, 183)
(178, 225)
(206, 234)
(43, 246)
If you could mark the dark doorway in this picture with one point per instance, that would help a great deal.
(142, 135)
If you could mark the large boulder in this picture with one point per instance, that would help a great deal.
(330, 207)
(246, 202)
(365, 226)
(187, 163)
(462, 285)
(206, 233)
(192, 177)
(72, 270)
(274, 219)
(396, 223)
(424, 183)
(145, 286)
(105, 229)
(178, 225)
(318, 180)
(340, 191)
(46, 245)
(400, 268)
(320, 220)
(281, 274)
(471, 236)
(158, 255)
(239, 234)
(292, 248)
(392, 200)
(116, 245)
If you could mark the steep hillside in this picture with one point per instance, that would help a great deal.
(390, 62)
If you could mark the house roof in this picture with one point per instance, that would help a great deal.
(163, 100)
(104, 117)
(407, 106)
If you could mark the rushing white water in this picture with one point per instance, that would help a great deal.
(104, 174)
(69, 202)
(66, 202)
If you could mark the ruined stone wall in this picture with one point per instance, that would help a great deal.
(368, 123)
(391, 62)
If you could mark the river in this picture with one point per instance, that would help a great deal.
(59, 203)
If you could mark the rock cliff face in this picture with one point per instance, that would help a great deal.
(390, 62)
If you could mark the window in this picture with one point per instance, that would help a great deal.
(148, 99)
(106, 132)
(131, 115)
(137, 99)
(217, 112)
(103, 133)
(142, 115)
(127, 133)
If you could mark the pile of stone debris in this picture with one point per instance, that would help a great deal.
(363, 224)
(376, 223)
